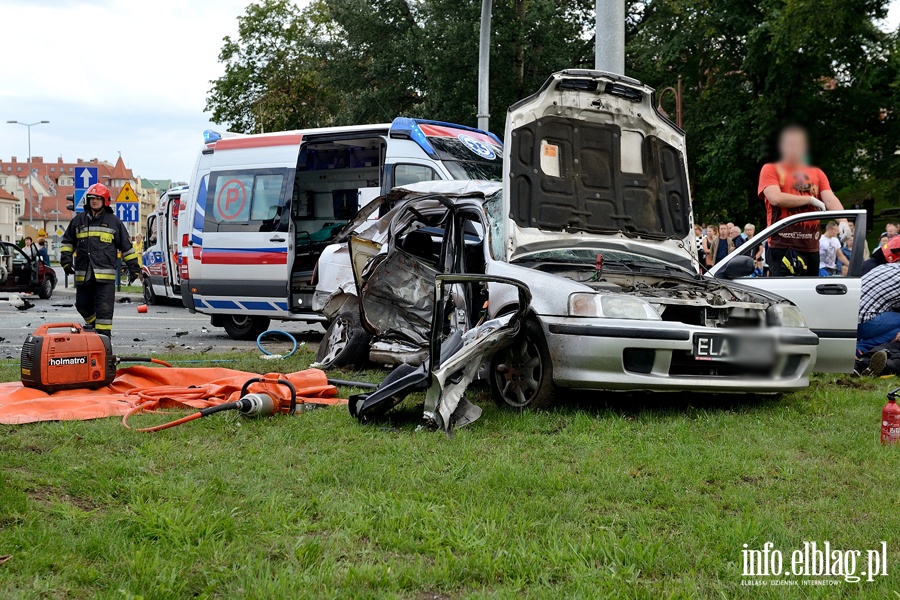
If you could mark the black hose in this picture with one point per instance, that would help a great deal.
(364, 385)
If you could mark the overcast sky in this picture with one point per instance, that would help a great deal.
(139, 88)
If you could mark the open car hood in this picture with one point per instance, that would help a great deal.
(590, 160)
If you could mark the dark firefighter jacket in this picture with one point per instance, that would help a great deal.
(96, 242)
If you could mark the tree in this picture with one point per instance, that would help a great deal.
(274, 72)
(749, 68)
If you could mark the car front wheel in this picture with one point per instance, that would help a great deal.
(346, 343)
(522, 373)
(45, 292)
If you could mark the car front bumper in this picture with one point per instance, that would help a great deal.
(615, 354)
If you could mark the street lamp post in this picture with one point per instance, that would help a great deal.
(29, 126)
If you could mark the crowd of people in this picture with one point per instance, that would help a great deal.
(792, 186)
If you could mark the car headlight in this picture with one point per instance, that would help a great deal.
(788, 315)
(611, 306)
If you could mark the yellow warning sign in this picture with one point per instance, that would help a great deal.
(127, 194)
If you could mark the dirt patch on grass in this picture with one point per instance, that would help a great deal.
(47, 495)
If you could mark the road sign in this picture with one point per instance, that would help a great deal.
(85, 177)
(127, 206)
(127, 212)
(59, 231)
(42, 233)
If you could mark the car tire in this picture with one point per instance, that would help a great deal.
(45, 292)
(346, 343)
(244, 327)
(521, 375)
(149, 294)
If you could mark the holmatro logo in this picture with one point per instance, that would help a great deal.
(72, 360)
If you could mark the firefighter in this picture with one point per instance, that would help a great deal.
(95, 237)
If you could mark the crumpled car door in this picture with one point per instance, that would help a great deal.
(453, 362)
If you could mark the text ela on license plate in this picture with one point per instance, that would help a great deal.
(748, 350)
(714, 347)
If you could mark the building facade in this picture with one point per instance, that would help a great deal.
(39, 198)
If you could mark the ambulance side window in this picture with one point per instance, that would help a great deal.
(408, 174)
(247, 200)
(151, 230)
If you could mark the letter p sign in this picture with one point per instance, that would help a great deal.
(231, 200)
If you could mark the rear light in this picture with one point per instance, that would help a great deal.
(184, 240)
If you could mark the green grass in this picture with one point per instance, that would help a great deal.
(602, 497)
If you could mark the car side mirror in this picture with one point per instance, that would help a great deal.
(737, 267)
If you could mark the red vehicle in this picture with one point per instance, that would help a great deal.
(16, 273)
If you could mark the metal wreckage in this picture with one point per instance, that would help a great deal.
(580, 271)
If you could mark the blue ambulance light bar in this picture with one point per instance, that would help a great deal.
(210, 136)
(408, 129)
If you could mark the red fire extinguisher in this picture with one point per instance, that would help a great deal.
(890, 419)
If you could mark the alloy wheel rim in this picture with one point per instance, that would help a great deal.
(337, 340)
(518, 375)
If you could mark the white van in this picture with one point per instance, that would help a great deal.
(163, 248)
(263, 207)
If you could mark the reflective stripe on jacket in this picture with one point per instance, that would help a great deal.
(96, 242)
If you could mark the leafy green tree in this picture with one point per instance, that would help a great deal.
(274, 72)
(751, 67)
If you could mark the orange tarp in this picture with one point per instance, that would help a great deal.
(19, 404)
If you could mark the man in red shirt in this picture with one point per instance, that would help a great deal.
(789, 187)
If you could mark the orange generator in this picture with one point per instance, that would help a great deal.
(73, 359)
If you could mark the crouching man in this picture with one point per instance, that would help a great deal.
(95, 237)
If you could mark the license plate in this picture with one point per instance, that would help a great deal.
(750, 350)
(714, 347)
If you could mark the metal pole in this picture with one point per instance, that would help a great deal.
(30, 185)
(484, 66)
(609, 49)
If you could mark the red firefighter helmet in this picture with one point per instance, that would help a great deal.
(98, 189)
(891, 249)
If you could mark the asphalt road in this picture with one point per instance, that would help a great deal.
(162, 329)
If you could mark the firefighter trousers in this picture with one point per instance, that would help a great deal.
(95, 302)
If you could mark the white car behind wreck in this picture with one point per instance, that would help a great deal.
(594, 217)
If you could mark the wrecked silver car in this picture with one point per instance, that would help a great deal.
(594, 216)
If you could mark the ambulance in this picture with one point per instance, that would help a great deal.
(261, 208)
(162, 256)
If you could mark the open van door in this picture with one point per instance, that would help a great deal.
(829, 304)
(247, 241)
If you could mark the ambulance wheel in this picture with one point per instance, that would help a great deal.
(521, 375)
(244, 327)
(345, 343)
(46, 290)
(149, 294)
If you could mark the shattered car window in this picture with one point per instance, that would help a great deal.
(493, 208)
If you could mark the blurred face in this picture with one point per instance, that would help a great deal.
(793, 146)
(711, 231)
(735, 232)
(698, 231)
(891, 229)
(750, 230)
(723, 231)
(96, 202)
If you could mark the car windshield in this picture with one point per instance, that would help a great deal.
(588, 256)
(474, 169)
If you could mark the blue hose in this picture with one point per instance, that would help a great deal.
(283, 334)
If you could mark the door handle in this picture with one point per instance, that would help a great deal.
(831, 289)
(276, 239)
